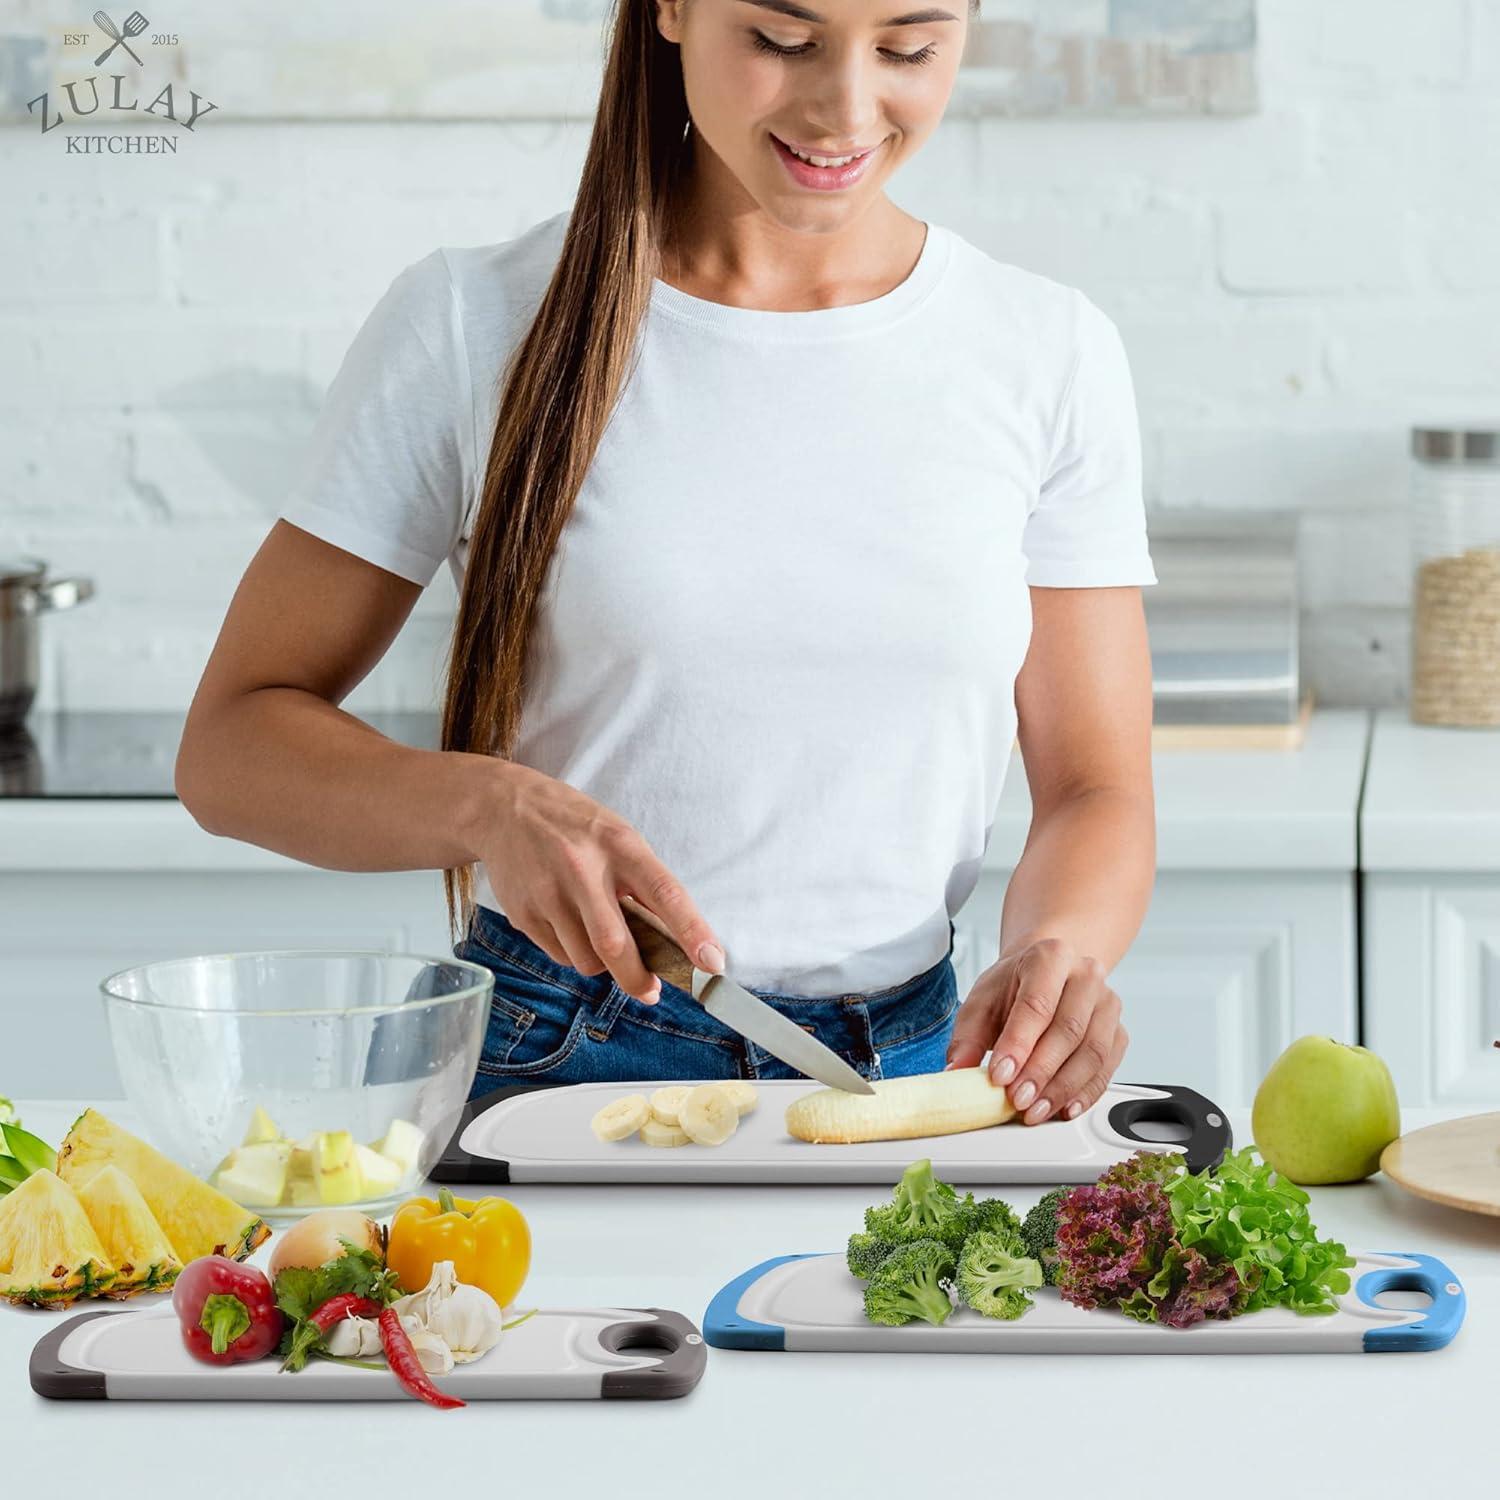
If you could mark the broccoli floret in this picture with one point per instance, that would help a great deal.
(1039, 1233)
(972, 1217)
(908, 1284)
(992, 1278)
(865, 1253)
(918, 1206)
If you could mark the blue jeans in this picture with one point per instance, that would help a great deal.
(550, 1024)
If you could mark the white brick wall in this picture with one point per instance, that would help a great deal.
(1296, 288)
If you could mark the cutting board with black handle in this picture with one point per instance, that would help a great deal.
(560, 1354)
(530, 1133)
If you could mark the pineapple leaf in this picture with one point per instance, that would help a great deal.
(29, 1152)
(12, 1173)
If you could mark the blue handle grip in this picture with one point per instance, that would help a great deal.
(1438, 1323)
(723, 1326)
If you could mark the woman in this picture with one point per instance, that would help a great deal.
(777, 514)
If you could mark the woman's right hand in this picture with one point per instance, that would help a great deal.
(558, 863)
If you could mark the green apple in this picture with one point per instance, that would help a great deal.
(1325, 1111)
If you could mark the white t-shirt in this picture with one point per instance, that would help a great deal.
(781, 632)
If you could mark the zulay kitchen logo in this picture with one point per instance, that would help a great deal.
(105, 98)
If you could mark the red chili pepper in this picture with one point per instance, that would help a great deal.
(405, 1365)
(346, 1305)
(228, 1311)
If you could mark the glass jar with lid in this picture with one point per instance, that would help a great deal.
(1455, 675)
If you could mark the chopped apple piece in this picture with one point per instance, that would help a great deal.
(402, 1144)
(336, 1168)
(302, 1191)
(262, 1128)
(379, 1175)
(257, 1174)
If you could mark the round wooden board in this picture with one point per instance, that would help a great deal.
(1456, 1163)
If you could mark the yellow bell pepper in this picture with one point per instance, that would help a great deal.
(486, 1239)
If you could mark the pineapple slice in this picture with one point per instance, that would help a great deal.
(133, 1240)
(49, 1253)
(197, 1219)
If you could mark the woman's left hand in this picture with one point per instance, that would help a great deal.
(1051, 1025)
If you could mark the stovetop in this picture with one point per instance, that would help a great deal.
(104, 755)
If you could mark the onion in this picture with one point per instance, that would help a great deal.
(317, 1239)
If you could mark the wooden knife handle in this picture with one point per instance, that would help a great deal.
(660, 954)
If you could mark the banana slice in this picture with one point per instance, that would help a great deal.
(621, 1117)
(742, 1093)
(709, 1115)
(667, 1102)
(658, 1133)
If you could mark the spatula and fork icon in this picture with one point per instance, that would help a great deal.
(135, 24)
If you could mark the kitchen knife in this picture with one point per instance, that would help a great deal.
(736, 1007)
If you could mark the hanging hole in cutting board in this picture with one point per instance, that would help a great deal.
(1403, 1299)
(1159, 1128)
(640, 1338)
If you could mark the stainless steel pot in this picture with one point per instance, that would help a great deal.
(25, 594)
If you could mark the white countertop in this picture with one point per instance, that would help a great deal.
(1216, 810)
(761, 1424)
(1432, 798)
(1239, 809)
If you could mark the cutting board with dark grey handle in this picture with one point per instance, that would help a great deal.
(559, 1354)
(540, 1133)
(811, 1303)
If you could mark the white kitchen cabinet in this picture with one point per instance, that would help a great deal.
(1430, 835)
(91, 887)
(1249, 941)
(1250, 938)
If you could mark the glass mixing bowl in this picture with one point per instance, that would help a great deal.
(314, 1079)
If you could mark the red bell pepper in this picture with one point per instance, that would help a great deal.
(228, 1311)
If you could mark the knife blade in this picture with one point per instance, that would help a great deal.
(782, 1037)
(735, 1006)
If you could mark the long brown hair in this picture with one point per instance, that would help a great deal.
(560, 387)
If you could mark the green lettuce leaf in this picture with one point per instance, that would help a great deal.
(1243, 1213)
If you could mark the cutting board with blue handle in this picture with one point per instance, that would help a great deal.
(812, 1303)
(526, 1133)
(558, 1354)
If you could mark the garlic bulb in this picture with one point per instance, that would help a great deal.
(465, 1318)
(354, 1338)
(432, 1353)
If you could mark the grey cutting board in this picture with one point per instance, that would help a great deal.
(559, 1354)
(812, 1303)
(522, 1134)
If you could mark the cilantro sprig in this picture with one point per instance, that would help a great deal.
(302, 1290)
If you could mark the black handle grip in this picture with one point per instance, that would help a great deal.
(1209, 1135)
(683, 1356)
(455, 1164)
(57, 1381)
